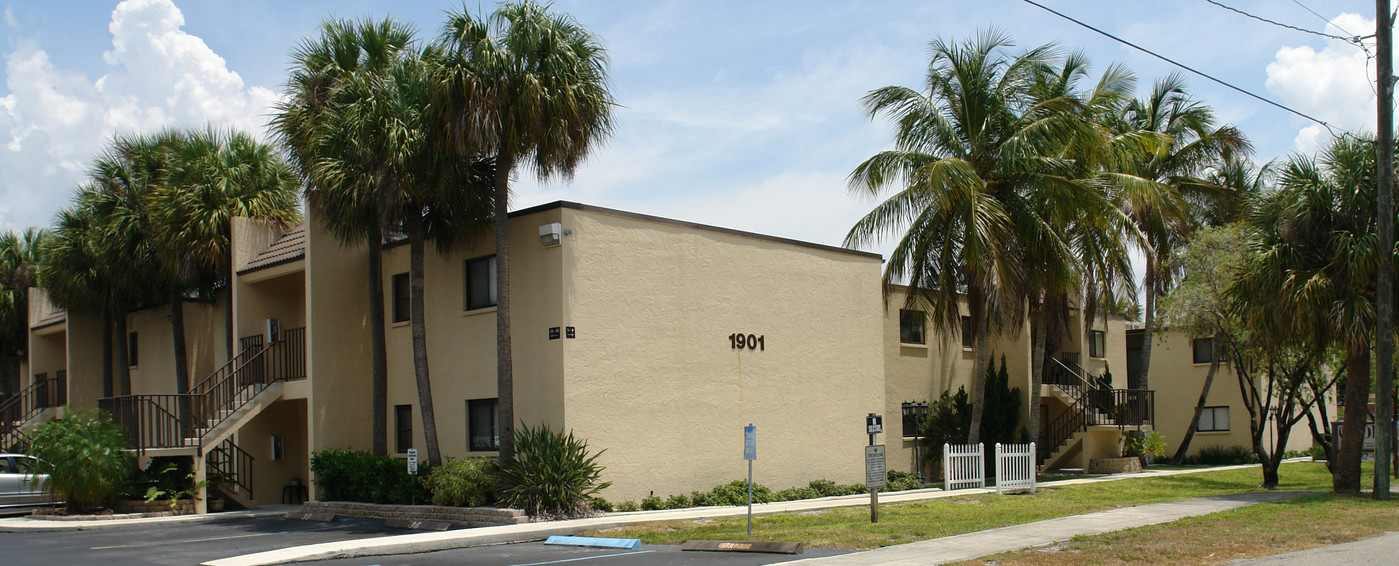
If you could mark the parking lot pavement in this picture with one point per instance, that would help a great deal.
(540, 554)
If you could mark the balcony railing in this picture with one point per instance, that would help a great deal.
(19, 408)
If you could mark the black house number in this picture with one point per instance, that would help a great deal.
(750, 341)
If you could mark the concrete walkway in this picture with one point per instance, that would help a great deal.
(973, 545)
(28, 525)
(428, 542)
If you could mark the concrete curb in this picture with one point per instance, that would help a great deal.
(428, 542)
(27, 525)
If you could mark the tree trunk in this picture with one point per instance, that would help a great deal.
(505, 377)
(379, 387)
(228, 319)
(1149, 318)
(177, 333)
(1199, 408)
(417, 311)
(107, 361)
(978, 382)
(1323, 439)
(1346, 476)
(1041, 337)
(123, 352)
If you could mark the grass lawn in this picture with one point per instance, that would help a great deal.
(849, 528)
(1248, 532)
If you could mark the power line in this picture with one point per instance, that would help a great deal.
(1323, 18)
(1322, 123)
(1291, 27)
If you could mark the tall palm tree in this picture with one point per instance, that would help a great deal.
(18, 270)
(527, 87)
(1313, 271)
(1161, 185)
(351, 210)
(977, 159)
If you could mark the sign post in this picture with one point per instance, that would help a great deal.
(875, 474)
(413, 473)
(750, 453)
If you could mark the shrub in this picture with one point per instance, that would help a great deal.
(736, 493)
(628, 506)
(550, 472)
(828, 488)
(356, 475)
(652, 503)
(900, 481)
(600, 505)
(1223, 456)
(1143, 445)
(468, 482)
(82, 455)
(167, 474)
(948, 422)
(678, 501)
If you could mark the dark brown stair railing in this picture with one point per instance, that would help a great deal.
(229, 464)
(19, 408)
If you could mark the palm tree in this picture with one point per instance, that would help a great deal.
(529, 87)
(18, 264)
(1313, 271)
(1161, 185)
(352, 210)
(978, 158)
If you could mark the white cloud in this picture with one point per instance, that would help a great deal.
(1334, 84)
(54, 120)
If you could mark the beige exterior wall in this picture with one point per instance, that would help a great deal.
(1177, 381)
(154, 371)
(288, 420)
(651, 377)
(84, 353)
(48, 346)
(338, 346)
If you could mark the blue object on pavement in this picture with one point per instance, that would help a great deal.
(631, 543)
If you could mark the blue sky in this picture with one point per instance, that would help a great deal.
(740, 114)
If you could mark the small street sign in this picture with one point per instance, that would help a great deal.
(750, 442)
(874, 424)
(412, 461)
(876, 475)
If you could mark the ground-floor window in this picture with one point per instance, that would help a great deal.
(1214, 419)
(403, 427)
(483, 420)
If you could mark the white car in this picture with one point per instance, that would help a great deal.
(19, 487)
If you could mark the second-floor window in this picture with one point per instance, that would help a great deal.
(402, 295)
(1097, 343)
(911, 327)
(1203, 350)
(480, 282)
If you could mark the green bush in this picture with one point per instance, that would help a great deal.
(169, 474)
(1223, 456)
(600, 505)
(628, 506)
(82, 455)
(901, 481)
(356, 475)
(948, 422)
(678, 501)
(795, 494)
(550, 473)
(828, 488)
(469, 482)
(652, 503)
(1144, 444)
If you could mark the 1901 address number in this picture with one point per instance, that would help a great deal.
(740, 341)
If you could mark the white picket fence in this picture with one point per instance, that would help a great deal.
(963, 466)
(1015, 468)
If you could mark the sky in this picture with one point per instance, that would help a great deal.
(744, 115)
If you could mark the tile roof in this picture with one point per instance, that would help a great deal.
(290, 247)
(53, 318)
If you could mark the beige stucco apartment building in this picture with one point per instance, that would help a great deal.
(656, 340)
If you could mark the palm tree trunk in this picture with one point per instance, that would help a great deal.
(417, 311)
(1041, 338)
(1346, 476)
(177, 333)
(123, 351)
(1149, 283)
(107, 374)
(979, 378)
(228, 319)
(1195, 420)
(505, 377)
(379, 396)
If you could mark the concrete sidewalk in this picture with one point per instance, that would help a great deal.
(428, 542)
(28, 525)
(973, 545)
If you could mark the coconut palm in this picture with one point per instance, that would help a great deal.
(1312, 272)
(983, 168)
(1162, 187)
(352, 210)
(528, 88)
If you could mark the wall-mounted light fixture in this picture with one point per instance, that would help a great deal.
(551, 234)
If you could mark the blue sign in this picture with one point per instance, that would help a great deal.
(750, 442)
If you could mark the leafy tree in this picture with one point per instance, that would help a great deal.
(19, 264)
(949, 418)
(1001, 421)
(82, 455)
(529, 88)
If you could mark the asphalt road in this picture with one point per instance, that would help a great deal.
(1377, 551)
(178, 543)
(540, 554)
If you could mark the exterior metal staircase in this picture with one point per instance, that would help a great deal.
(1088, 405)
(33, 405)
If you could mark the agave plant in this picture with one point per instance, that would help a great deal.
(550, 473)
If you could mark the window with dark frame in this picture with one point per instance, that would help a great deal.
(403, 428)
(1203, 350)
(1097, 343)
(1213, 419)
(402, 294)
(911, 327)
(968, 341)
(480, 283)
(132, 350)
(483, 425)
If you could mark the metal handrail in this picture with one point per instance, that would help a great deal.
(45, 392)
(233, 465)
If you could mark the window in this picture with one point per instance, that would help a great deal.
(401, 296)
(1213, 419)
(132, 350)
(1097, 343)
(480, 283)
(1203, 350)
(279, 451)
(911, 327)
(403, 427)
(483, 420)
(968, 341)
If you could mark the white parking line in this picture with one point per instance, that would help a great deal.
(583, 558)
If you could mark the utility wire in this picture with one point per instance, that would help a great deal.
(1322, 123)
(1324, 18)
(1291, 27)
